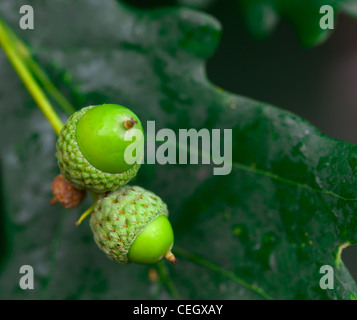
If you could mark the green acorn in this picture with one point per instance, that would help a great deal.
(91, 146)
(130, 224)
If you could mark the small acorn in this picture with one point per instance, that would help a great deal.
(130, 224)
(91, 146)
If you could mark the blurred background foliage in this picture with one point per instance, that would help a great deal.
(316, 82)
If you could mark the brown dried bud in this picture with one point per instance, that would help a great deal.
(153, 275)
(66, 194)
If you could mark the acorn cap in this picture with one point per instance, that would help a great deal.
(120, 216)
(76, 168)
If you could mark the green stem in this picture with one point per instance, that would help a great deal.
(29, 81)
(218, 269)
(20, 57)
(166, 280)
(85, 215)
(24, 52)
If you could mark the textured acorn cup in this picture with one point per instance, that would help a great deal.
(130, 225)
(95, 174)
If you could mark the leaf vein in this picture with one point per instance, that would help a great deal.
(288, 181)
(218, 269)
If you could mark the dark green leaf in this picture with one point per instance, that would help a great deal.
(263, 231)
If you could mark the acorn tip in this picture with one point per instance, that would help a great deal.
(128, 124)
(171, 257)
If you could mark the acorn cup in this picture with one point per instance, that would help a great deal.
(130, 224)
